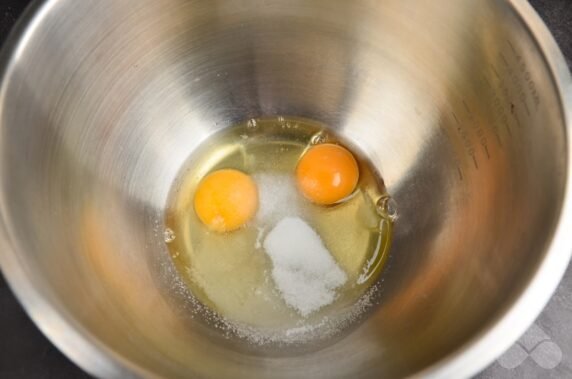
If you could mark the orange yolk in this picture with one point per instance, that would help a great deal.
(327, 173)
(225, 200)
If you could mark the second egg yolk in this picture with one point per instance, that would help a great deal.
(226, 199)
(327, 173)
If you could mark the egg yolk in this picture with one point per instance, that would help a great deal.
(327, 173)
(226, 199)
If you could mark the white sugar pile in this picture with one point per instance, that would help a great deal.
(303, 270)
(277, 197)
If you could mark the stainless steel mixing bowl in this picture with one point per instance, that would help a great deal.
(461, 105)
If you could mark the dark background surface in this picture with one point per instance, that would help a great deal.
(26, 353)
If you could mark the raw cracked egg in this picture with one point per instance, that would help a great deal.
(327, 173)
(226, 199)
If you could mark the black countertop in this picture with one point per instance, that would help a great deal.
(545, 351)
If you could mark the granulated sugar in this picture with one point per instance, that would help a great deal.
(303, 269)
(278, 197)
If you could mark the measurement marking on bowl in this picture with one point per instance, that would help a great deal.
(518, 73)
(467, 142)
(522, 65)
(498, 94)
(495, 71)
(516, 84)
(477, 129)
(504, 59)
(456, 159)
(497, 106)
(515, 115)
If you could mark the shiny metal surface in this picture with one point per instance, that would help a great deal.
(463, 106)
